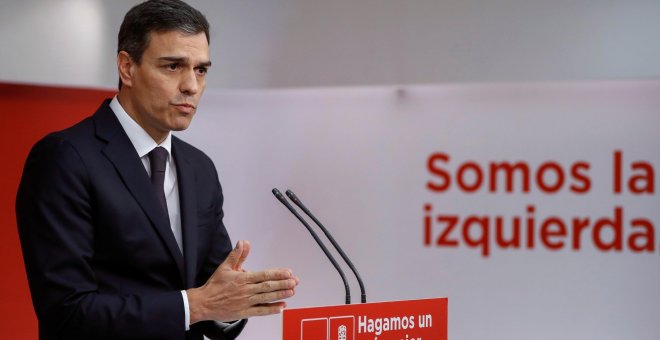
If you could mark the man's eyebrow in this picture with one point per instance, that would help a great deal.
(174, 59)
(184, 60)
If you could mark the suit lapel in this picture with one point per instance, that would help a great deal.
(121, 153)
(188, 203)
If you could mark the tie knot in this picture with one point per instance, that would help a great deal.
(158, 159)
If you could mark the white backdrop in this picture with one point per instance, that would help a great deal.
(358, 157)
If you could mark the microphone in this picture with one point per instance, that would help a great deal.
(299, 203)
(282, 199)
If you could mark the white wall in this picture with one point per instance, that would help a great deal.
(358, 158)
(297, 43)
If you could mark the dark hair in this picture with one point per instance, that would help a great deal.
(157, 16)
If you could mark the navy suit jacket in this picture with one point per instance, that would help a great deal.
(101, 259)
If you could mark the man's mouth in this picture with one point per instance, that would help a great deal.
(185, 108)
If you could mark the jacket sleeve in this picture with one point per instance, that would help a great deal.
(56, 227)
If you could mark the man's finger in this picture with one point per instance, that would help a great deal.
(243, 256)
(264, 309)
(269, 275)
(271, 297)
(234, 257)
(272, 286)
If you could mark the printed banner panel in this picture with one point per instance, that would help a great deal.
(532, 207)
(410, 320)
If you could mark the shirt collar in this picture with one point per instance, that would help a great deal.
(142, 142)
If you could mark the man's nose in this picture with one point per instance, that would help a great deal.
(189, 83)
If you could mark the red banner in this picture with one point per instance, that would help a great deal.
(400, 320)
(29, 112)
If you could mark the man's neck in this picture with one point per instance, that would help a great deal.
(127, 104)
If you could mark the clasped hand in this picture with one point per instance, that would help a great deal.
(233, 293)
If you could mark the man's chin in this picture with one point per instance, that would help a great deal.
(181, 124)
(180, 127)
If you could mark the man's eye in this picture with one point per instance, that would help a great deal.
(172, 67)
(202, 71)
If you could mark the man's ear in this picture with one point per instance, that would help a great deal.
(125, 68)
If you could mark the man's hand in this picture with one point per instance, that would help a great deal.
(232, 293)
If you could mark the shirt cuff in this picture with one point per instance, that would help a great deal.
(186, 309)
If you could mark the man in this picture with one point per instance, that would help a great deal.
(121, 223)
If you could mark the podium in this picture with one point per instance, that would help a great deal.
(424, 319)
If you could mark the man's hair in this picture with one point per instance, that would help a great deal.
(157, 16)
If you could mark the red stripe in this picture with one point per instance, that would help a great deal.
(28, 113)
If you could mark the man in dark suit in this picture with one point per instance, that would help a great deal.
(121, 223)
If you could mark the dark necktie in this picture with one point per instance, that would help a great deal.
(157, 161)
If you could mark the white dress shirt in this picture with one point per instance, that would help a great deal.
(143, 144)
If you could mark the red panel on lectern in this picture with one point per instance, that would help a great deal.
(314, 329)
(412, 320)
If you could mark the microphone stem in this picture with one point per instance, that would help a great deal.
(343, 255)
(298, 202)
(281, 198)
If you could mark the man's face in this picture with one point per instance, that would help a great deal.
(166, 86)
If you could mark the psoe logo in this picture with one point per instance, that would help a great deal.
(342, 328)
(341, 332)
